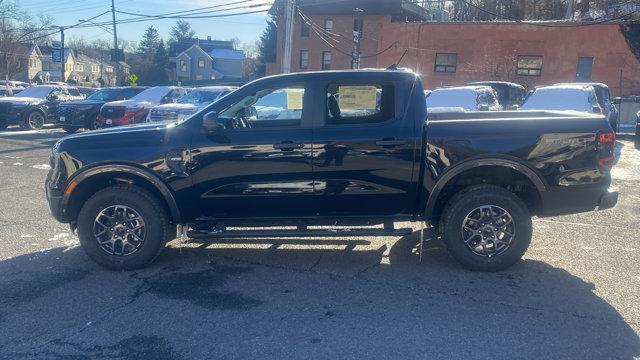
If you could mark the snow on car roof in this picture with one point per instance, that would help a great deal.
(216, 88)
(561, 97)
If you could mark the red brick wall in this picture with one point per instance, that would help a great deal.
(489, 52)
(486, 51)
(340, 49)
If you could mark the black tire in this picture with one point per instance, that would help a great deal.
(35, 120)
(472, 198)
(157, 226)
(70, 129)
(92, 124)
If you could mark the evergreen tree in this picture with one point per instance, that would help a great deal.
(150, 41)
(266, 47)
(181, 31)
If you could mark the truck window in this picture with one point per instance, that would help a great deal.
(359, 104)
(280, 107)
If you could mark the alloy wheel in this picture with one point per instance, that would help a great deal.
(119, 230)
(488, 230)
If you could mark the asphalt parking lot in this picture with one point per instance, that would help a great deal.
(575, 296)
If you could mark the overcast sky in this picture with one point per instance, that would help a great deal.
(67, 12)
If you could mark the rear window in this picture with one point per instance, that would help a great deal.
(359, 103)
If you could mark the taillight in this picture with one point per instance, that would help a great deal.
(605, 148)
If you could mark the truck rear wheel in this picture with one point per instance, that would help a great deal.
(486, 228)
(123, 227)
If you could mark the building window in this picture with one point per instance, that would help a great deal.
(328, 25)
(183, 65)
(95, 68)
(304, 59)
(304, 29)
(201, 63)
(529, 65)
(446, 63)
(199, 78)
(79, 67)
(108, 69)
(326, 60)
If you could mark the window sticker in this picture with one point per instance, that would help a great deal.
(294, 99)
(357, 97)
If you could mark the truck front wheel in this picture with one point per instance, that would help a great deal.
(486, 228)
(123, 227)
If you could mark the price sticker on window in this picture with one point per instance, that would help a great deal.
(294, 99)
(357, 97)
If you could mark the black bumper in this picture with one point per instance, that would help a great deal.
(571, 201)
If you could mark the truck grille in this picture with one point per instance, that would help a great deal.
(159, 115)
(69, 113)
(112, 112)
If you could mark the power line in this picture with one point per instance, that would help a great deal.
(192, 15)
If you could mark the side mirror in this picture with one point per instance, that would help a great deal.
(210, 123)
(52, 97)
(596, 109)
(484, 107)
(166, 100)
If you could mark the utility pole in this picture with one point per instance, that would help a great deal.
(63, 61)
(115, 42)
(357, 38)
(288, 35)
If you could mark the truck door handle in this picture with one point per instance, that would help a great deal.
(288, 146)
(390, 142)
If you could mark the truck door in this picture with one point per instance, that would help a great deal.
(364, 150)
(259, 164)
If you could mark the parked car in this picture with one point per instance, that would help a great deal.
(86, 91)
(35, 106)
(355, 149)
(11, 88)
(564, 98)
(463, 98)
(74, 115)
(604, 100)
(136, 109)
(189, 104)
(510, 95)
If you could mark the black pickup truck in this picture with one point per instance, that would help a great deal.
(350, 148)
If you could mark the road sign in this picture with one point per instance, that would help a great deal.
(133, 79)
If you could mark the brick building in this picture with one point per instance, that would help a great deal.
(449, 53)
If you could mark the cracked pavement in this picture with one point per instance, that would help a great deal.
(575, 295)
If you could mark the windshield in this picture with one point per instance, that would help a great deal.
(104, 95)
(199, 96)
(558, 99)
(154, 94)
(39, 92)
(452, 98)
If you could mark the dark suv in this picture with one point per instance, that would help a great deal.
(35, 106)
(74, 115)
(510, 95)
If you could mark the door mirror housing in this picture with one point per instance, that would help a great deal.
(596, 109)
(166, 100)
(52, 97)
(210, 123)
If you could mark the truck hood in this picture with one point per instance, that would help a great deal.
(21, 100)
(83, 103)
(139, 104)
(179, 107)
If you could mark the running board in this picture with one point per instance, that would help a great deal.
(222, 234)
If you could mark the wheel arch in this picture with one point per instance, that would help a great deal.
(489, 171)
(88, 182)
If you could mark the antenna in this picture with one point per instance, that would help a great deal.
(395, 66)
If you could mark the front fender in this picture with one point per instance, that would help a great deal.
(84, 175)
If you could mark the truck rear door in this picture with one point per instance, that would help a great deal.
(364, 149)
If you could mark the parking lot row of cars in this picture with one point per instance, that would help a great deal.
(497, 95)
(66, 106)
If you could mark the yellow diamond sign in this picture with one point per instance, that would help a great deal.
(133, 78)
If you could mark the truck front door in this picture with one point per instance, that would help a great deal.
(364, 151)
(259, 164)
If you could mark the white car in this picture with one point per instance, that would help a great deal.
(580, 98)
(136, 109)
(189, 104)
(462, 98)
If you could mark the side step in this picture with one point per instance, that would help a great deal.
(342, 232)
